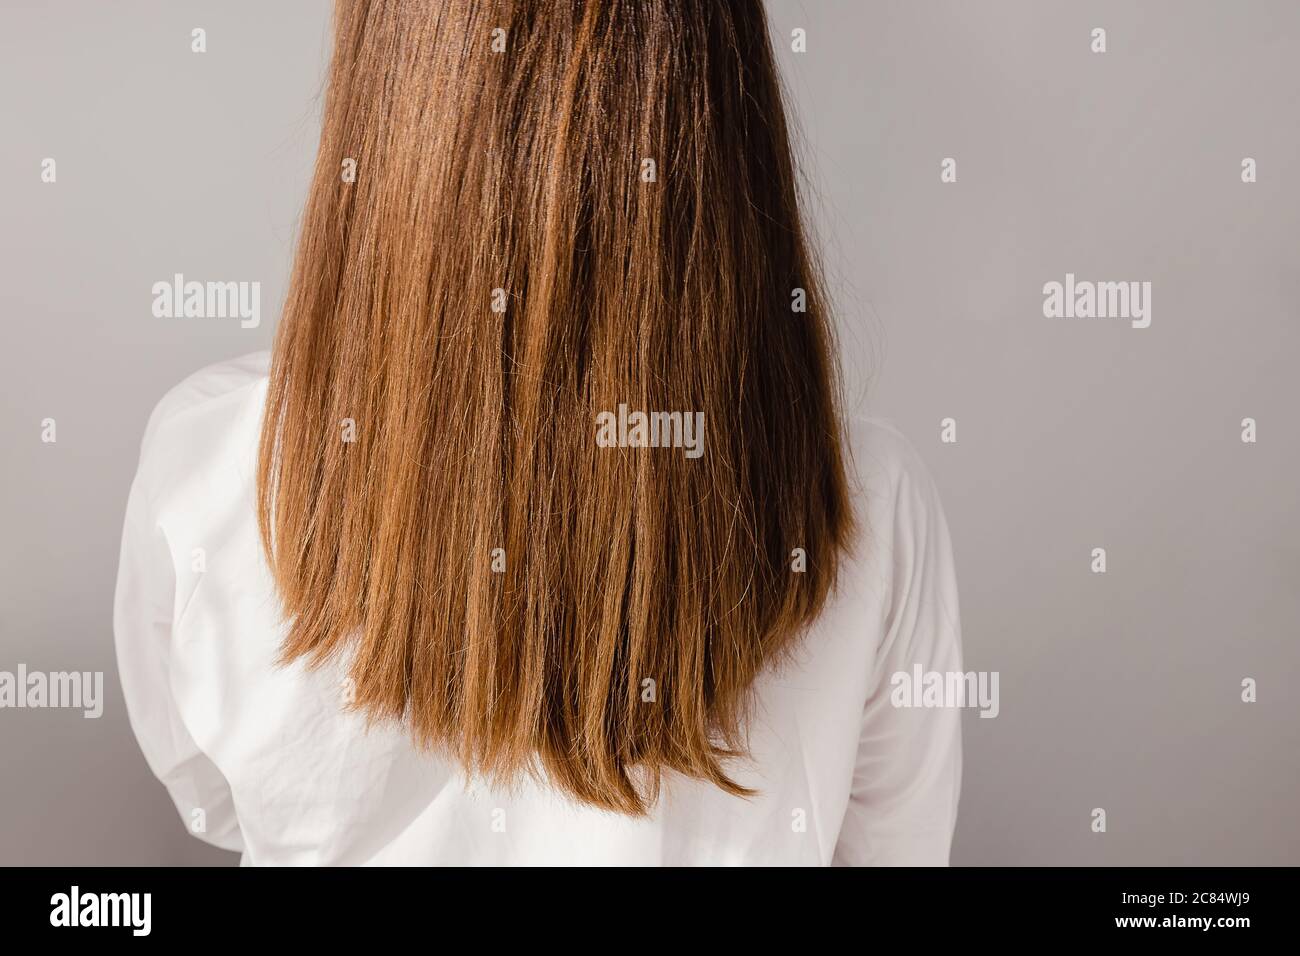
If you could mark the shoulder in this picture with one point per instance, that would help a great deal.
(895, 496)
(903, 555)
(209, 415)
(213, 385)
(883, 461)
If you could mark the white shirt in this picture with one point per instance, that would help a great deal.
(264, 760)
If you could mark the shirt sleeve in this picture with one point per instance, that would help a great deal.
(907, 775)
(142, 628)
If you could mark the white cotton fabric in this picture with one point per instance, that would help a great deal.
(282, 774)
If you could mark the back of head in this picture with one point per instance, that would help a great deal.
(546, 445)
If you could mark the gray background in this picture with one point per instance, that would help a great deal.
(1119, 690)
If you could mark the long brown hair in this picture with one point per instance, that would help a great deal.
(525, 214)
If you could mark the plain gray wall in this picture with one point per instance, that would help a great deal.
(1119, 691)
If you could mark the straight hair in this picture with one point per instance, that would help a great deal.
(523, 215)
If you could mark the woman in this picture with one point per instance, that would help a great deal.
(540, 537)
